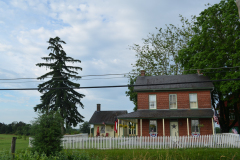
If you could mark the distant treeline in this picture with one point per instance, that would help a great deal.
(21, 128)
(18, 128)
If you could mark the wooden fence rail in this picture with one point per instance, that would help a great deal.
(210, 141)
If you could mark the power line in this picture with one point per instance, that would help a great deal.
(64, 76)
(118, 74)
(213, 68)
(117, 86)
(40, 81)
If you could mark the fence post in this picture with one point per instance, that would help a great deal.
(13, 146)
(110, 139)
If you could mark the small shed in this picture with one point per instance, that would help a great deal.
(105, 120)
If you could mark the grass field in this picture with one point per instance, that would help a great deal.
(169, 154)
(6, 140)
(134, 154)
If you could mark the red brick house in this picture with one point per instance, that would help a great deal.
(177, 109)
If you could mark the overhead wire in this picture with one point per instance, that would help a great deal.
(40, 81)
(119, 73)
(117, 86)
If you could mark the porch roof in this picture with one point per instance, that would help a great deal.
(168, 114)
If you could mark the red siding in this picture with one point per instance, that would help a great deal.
(182, 127)
(204, 99)
(207, 126)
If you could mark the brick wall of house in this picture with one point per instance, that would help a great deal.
(207, 128)
(182, 127)
(145, 129)
(159, 127)
(204, 99)
(167, 127)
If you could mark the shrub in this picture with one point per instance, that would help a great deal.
(19, 136)
(46, 131)
(24, 136)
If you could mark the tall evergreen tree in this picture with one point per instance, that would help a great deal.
(58, 92)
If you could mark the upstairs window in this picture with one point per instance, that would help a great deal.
(152, 102)
(172, 101)
(193, 101)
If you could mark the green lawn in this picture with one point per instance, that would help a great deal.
(6, 140)
(137, 154)
(169, 154)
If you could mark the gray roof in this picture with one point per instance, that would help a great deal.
(150, 80)
(168, 114)
(108, 117)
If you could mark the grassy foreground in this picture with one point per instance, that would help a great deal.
(131, 154)
(6, 140)
(22, 152)
(165, 154)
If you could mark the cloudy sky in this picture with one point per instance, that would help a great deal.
(97, 32)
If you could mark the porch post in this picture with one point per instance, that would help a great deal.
(90, 130)
(127, 128)
(163, 127)
(187, 127)
(137, 128)
(213, 127)
(118, 130)
(141, 126)
(132, 129)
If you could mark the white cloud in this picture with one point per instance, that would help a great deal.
(96, 32)
(4, 47)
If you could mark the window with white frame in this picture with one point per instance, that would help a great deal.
(152, 102)
(153, 126)
(102, 129)
(195, 126)
(193, 100)
(172, 101)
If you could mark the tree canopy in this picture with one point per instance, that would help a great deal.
(58, 92)
(85, 127)
(216, 44)
(159, 52)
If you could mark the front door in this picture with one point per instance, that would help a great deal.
(174, 128)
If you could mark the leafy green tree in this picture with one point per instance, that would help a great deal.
(85, 127)
(3, 128)
(9, 129)
(132, 95)
(46, 133)
(58, 92)
(216, 44)
(26, 129)
(159, 52)
(218, 130)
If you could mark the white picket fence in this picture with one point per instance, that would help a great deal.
(210, 141)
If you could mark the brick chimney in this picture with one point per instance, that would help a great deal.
(98, 107)
(142, 72)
